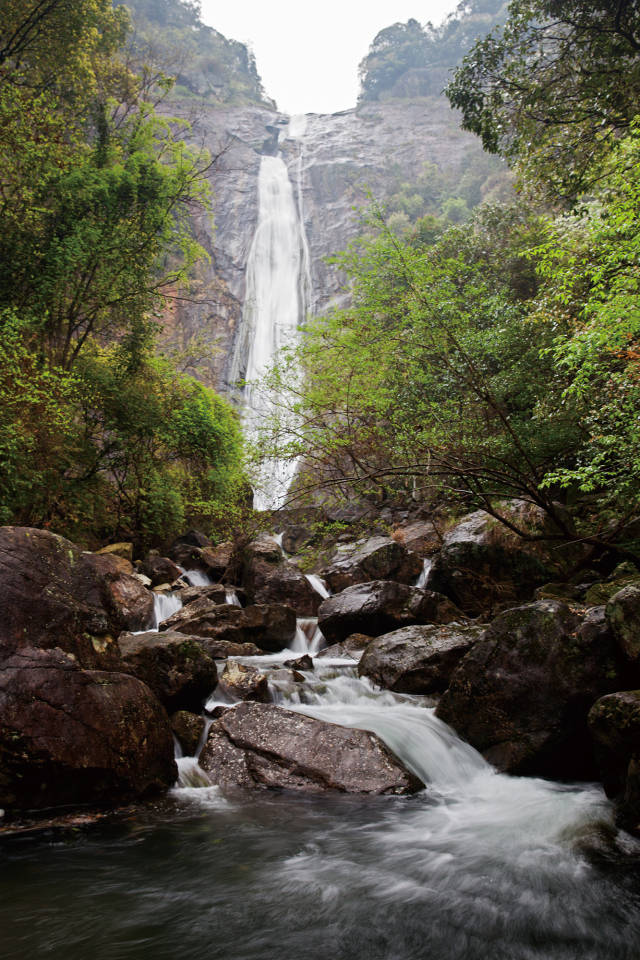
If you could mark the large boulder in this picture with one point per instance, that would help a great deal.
(269, 578)
(614, 721)
(54, 595)
(271, 627)
(175, 667)
(418, 659)
(160, 569)
(421, 536)
(261, 745)
(379, 607)
(482, 566)
(522, 694)
(378, 558)
(74, 736)
(623, 615)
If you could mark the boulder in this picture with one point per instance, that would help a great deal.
(482, 565)
(269, 578)
(614, 721)
(418, 659)
(220, 561)
(623, 616)
(598, 594)
(160, 569)
(420, 536)
(122, 550)
(352, 647)
(54, 595)
(378, 558)
(222, 649)
(304, 662)
(216, 592)
(240, 681)
(188, 728)
(271, 627)
(523, 692)
(380, 606)
(177, 668)
(75, 736)
(261, 745)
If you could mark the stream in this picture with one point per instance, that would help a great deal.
(479, 866)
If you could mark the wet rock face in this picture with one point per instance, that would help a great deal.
(418, 659)
(614, 721)
(623, 616)
(522, 694)
(378, 558)
(381, 606)
(188, 728)
(240, 681)
(269, 578)
(261, 745)
(271, 627)
(53, 594)
(175, 667)
(481, 566)
(160, 569)
(73, 736)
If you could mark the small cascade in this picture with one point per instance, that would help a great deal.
(318, 585)
(191, 774)
(197, 578)
(165, 605)
(231, 597)
(421, 582)
(309, 637)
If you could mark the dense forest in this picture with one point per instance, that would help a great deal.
(99, 436)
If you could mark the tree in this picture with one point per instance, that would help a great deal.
(554, 88)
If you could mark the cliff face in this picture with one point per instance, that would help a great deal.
(334, 162)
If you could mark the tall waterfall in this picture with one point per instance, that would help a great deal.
(277, 298)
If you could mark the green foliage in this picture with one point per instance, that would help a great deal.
(408, 60)
(433, 379)
(98, 438)
(171, 34)
(554, 88)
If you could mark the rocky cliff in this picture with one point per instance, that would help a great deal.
(335, 163)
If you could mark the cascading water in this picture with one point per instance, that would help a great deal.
(277, 298)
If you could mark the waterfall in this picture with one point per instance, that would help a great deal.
(277, 297)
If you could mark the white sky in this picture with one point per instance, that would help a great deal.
(308, 52)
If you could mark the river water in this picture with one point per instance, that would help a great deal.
(479, 866)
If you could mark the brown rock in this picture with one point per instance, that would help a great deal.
(271, 627)
(240, 681)
(53, 594)
(160, 569)
(74, 736)
(177, 668)
(188, 728)
(261, 745)
(123, 550)
(269, 578)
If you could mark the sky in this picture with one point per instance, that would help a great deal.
(308, 52)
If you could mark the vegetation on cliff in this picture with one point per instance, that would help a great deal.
(98, 436)
(499, 358)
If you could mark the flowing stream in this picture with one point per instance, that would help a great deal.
(478, 866)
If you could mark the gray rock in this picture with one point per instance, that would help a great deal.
(418, 659)
(270, 627)
(623, 616)
(381, 606)
(176, 667)
(261, 745)
(522, 694)
(378, 558)
(239, 681)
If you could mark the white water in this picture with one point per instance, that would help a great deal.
(197, 578)
(308, 638)
(424, 575)
(231, 597)
(277, 299)
(165, 605)
(318, 585)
